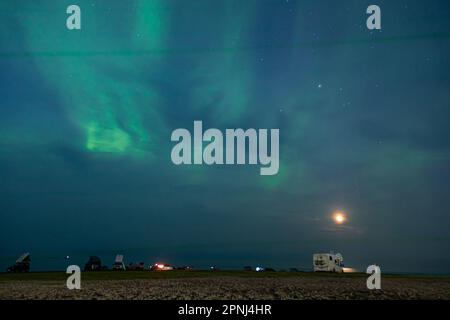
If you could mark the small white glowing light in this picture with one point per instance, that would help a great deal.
(339, 217)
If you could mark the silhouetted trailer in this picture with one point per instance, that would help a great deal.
(94, 264)
(136, 266)
(22, 264)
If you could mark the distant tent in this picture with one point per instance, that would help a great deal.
(22, 264)
(24, 258)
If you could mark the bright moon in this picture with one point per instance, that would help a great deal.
(339, 217)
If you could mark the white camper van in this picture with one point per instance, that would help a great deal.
(328, 262)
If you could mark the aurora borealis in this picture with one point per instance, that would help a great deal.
(364, 119)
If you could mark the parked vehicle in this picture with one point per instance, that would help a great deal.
(185, 268)
(22, 264)
(161, 267)
(118, 263)
(94, 264)
(328, 262)
(136, 266)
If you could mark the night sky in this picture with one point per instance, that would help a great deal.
(364, 117)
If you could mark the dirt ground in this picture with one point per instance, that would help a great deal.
(230, 287)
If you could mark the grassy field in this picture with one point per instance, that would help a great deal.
(187, 285)
(130, 275)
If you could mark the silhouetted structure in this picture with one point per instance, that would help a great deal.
(94, 264)
(22, 264)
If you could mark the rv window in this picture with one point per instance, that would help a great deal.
(331, 258)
